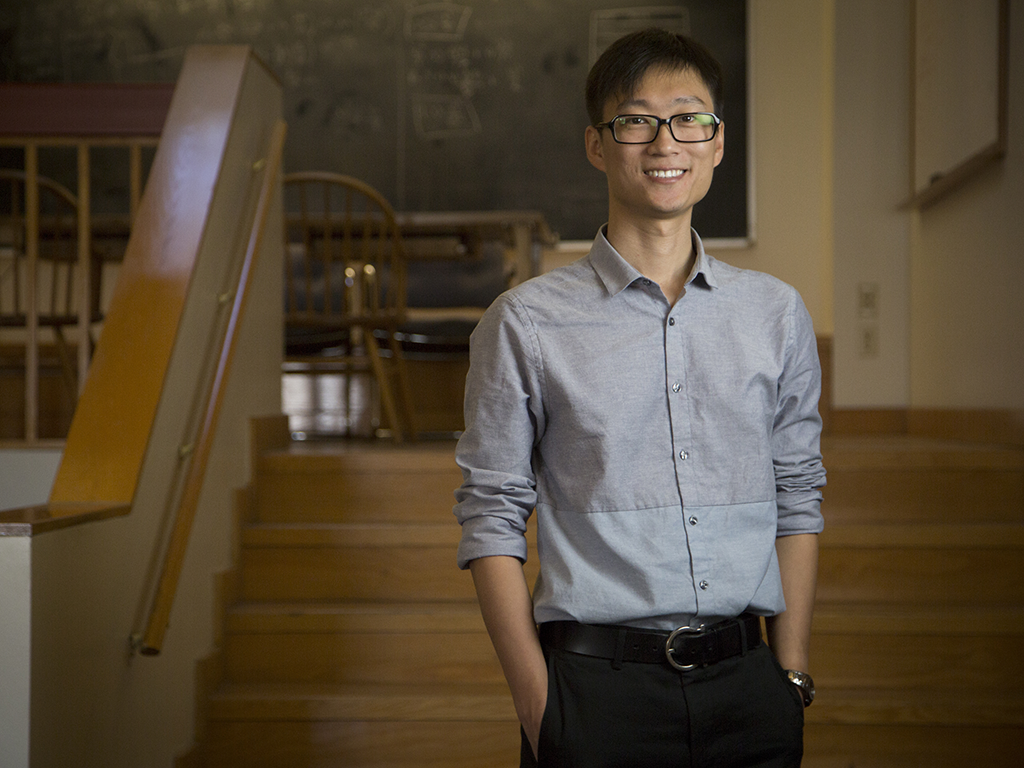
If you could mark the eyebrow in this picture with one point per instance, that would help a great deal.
(644, 104)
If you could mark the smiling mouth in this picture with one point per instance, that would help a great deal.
(659, 174)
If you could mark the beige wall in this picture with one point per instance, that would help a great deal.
(872, 229)
(791, 61)
(967, 296)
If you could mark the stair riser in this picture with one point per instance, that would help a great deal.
(361, 744)
(985, 576)
(838, 661)
(362, 658)
(908, 746)
(936, 662)
(924, 496)
(330, 744)
(351, 573)
(337, 498)
(884, 575)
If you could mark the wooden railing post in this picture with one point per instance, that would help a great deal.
(31, 292)
(85, 276)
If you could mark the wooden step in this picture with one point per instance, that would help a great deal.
(883, 745)
(853, 645)
(346, 483)
(399, 562)
(925, 563)
(361, 744)
(358, 642)
(899, 647)
(905, 479)
(393, 562)
(474, 725)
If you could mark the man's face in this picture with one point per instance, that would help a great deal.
(666, 178)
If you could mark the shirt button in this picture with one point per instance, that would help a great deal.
(703, 585)
(684, 455)
(671, 321)
(646, 281)
(693, 520)
(676, 386)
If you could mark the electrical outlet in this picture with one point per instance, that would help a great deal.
(868, 341)
(867, 301)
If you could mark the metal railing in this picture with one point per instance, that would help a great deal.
(150, 642)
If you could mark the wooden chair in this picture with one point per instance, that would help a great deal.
(57, 277)
(345, 280)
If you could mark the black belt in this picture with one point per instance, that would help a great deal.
(684, 648)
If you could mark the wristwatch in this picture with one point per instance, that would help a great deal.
(804, 682)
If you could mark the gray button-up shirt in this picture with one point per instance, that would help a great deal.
(663, 447)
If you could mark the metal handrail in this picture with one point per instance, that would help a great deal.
(150, 642)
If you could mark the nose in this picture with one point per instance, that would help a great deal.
(664, 138)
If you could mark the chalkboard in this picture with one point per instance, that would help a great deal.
(475, 105)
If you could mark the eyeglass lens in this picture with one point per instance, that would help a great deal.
(643, 129)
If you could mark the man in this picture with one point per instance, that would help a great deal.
(658, 409)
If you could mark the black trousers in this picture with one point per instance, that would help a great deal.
(738, 713)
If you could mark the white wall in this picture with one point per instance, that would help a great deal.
(15, 650)
(26, 476)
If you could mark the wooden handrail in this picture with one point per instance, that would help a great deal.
(151, 641)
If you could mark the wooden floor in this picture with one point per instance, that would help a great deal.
(355, 641)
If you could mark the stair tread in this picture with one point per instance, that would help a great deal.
(923, 706)
(492, 701)
(995, 535)
(464, 616)
(317, 534)
(840, 452)
(361, 457)
(917, 618)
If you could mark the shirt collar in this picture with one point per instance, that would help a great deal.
(616, 273)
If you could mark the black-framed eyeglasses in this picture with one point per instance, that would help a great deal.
(688, 128)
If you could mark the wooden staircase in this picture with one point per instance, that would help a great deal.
(355, 641)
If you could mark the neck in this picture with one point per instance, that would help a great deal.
(661, 251)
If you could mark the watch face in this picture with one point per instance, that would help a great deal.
(804, 682)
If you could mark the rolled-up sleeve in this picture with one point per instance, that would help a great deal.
(504, 419)
(796, 435)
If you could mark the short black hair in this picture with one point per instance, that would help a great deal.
(619, 70)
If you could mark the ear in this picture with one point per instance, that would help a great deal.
(595, 147)
(720, 144)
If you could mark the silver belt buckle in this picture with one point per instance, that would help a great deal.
(671, 639)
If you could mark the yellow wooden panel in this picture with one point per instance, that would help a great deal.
(111, 428)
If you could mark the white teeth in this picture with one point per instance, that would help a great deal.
(664, 174)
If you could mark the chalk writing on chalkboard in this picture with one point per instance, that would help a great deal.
(437, 22)
(439, 104)
(607, 26)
